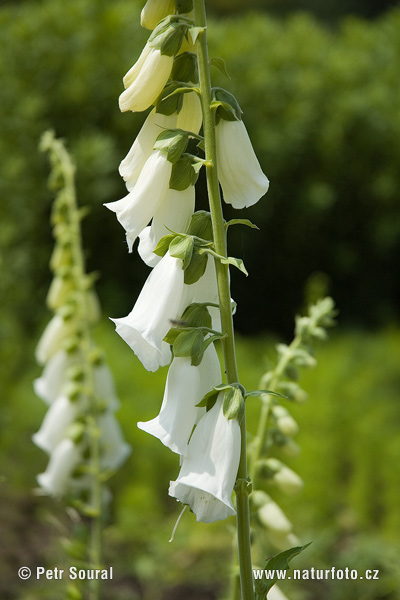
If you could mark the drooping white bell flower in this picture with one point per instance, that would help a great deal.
(51, 341)
(275, 593)
(242, 180)
(63, 460)
(60, 415)
(209, 470)
(154, 11)
(273, 517)
(189, 119)
(173, 214)
(145, 81)
(174, 424)
(185, 387)
(161, 299)
(113, 448)
(135, 210)
(48, 386)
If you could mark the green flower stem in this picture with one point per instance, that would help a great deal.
(74, 219)
(222, 270)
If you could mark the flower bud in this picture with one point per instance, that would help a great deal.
(113, 448)
(51, 341)
(273, 517)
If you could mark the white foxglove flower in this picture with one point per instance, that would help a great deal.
(51, 341)
(104, 386)
(185, 387)
(137, 208)
(273, 517)
(209, 470)
(63, 460)
(145, 80)
(113, 448)
(276, 593)
(48, 386)
(188, 119)
(161, 299)
(287, 480)
(60, 415)
(173, 214)
(154, 11)
(242, 180)
(178, 413)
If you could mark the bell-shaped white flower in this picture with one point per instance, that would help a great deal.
(156, 10)
(59, 416)
(113, 448)
(173, 214)
(145, 81)
(48, 386)
(185, 387)
(178, 413)
(189, 119)
(273, 517)
(275, 593)
(51, 341)
(104, 386)
(242, 180)
(209, 470)
(63, 460)
(137, 208)
(160, 300)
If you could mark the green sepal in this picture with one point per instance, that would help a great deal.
(246, 222)
(277, 563)
(170, 100)
(173, 143)
(225, 105)
(219, 63)
(182, 247)
(75, 432)
(201, 226)
(183, 173)
(163, 244)
(184, 6)
(197, 315)
(169, 34)
(233, 403)
(210, 398)
(185, 68)
(194, 33)
(188, 343)
(196, 268)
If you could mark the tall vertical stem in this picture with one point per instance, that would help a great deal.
(222, 271)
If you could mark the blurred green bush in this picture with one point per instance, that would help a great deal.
(350, 452)
(322, 110)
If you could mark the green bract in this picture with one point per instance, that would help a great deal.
(169, 34)
(225, 105)
(173, 143)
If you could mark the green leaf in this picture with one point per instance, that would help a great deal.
(209, 399)
(182, 247)
(184, 6)
(241, 222)
(279, 562)
(170, 100)
(257, 393)
(219, 63)
(225, 105)
(236, 262)
(163, 244)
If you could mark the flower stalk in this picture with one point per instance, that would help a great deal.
(242, 487)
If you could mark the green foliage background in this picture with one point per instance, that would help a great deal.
(321, 105)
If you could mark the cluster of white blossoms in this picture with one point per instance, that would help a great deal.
(76, 383)
(175, 319)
